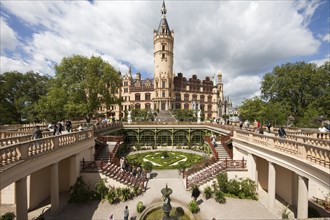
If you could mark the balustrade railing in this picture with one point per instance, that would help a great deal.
(300, 149)
(17, 139)
(208, 140)
(212, 170)
(25, 150)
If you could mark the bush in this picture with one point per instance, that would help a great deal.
(233, 187)
(219, 196)
(101, 189)
(223, 181)
(111, 196)
(193, 206)
(147, 166)
(8, 216)
(80, 192)
(140, 207)
(125, 194)
(208, 192)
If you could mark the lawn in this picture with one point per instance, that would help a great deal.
(165, 159)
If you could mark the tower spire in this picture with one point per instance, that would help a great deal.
(163, 10)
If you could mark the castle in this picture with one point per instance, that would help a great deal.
(167, 91)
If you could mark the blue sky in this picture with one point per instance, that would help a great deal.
(242, 39)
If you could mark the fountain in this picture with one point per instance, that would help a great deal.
(165, 211)
(167, 202)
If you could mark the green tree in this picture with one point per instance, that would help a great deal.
(299, 86)
(80, 86)
(19, 94)
(252, 109)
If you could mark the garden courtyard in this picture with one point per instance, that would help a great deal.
(209, 209)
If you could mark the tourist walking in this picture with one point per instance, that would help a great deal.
(37, 133)
(126, 213)
(269, 125)
(281, 132)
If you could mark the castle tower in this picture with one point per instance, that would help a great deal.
(163, 64)
(220, 101)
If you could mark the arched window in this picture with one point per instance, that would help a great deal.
(137, 97)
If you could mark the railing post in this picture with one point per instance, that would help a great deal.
(243, 162)
(226, 162)
(83, 164)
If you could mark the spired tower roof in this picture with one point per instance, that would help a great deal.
(163, 28)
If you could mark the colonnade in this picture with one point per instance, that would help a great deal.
(21, 188)
(302, 190)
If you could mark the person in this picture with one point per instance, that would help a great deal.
(80, 128)
(68, 125)
(37, 134)
(281, 132)
(240, 124)
(195, 192)
(126, 213)
(323, 129)
(261, 130)
(111, 217)
(269, 125)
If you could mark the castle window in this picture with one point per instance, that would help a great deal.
(186, 97)
(163, 55)
(147, 96)
(202, 98)
(163, 47)
(163, 84)
(209, 98)
(137, 97)
(177, 97)
(163, 93)
(137, 106)
(186, 106)
(147, 106)
(125, 83)
(125, 90)
(209, 108)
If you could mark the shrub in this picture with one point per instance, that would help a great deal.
(101, 189)
(208, 192)
(80, 192)
(248, 189)
(219, 196)
(233, 187)
(223, 181)
(137, 191)
(125, 194)
(8, 216)
(140, 207)
(165, 154)
(111, 196)
(147, 166)
(193, 206)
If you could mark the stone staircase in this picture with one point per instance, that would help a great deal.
(165, 116)
(222, 153)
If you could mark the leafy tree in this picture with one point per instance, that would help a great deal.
(81, 85)
(252, 109)
(299, 86)
(19, 94)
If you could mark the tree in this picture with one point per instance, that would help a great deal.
(19, 94)
(81, 85)
(252, 109)
(299, 87)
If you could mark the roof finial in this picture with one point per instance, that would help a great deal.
(163, 11)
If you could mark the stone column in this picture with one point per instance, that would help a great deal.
(74, 169)
(21, 199)
(54, 191)
(252, 168)
(302, 209)
(271, 185)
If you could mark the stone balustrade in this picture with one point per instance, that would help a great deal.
(21, 138)
(315, 151)
(25, 150)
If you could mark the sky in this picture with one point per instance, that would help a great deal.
(241, 39)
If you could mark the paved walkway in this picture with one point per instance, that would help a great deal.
(233, 209)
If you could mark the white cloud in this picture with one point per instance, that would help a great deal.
(240, 38)
(320, 62)
(326, 38)
(8, 36)
(242, 87)
(8, 64)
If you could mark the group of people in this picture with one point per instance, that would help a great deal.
(58, 127)
(126, 166)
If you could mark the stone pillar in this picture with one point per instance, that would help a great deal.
(302, 209)
(54, 191)
(252, 168)
(271, 185)
(21, 199)
(74, 169)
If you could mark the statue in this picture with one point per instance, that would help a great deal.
(199, 116)
(129, 117)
